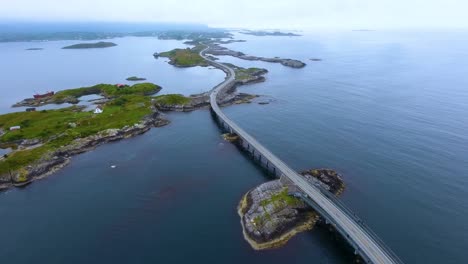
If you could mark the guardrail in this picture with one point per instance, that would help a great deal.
(280, 165)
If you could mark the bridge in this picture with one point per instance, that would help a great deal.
(354, 231)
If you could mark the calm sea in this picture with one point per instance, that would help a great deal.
(386, 109)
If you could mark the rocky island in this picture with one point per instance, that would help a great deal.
(97, 45)
(218, 50)
(271, 214)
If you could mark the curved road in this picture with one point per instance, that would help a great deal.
(365, 243)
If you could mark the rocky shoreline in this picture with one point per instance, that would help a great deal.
(229, 97)
(54, 161)
(218, 50)
(270, 215)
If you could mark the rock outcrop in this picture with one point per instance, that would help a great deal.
(271, 215)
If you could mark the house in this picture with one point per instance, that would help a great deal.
(119, 85)
(30, 109)
(98, 110)
(13, 128)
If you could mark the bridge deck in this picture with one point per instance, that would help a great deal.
(365, 242)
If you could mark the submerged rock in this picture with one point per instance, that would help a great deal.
(231, 137)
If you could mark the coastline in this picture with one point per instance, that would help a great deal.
(52, 162)
(57, 158)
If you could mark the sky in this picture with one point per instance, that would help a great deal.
(267, 14)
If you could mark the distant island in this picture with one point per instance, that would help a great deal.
(97, 45)
(269, 33)
(82, 36)
(135, 78)
(35, 49)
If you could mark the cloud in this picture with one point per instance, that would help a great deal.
(249, 13)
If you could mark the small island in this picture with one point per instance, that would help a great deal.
(271, 214)
(135, 79)
(269, 33)
(35, 49)
(97, 45)
(188, 57)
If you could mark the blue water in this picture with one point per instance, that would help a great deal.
(25, 72)
(386, 109)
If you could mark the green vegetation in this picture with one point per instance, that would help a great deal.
(107, 90)
(134, 79)
(185, 57)
(244, 74)
(281, 198)
(172, 99)
(129, 105)
(96, 45)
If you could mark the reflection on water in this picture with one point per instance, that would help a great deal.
(4, 151)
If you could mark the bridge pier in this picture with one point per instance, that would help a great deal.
(365, 243)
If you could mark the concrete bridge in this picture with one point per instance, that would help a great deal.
(354, 231)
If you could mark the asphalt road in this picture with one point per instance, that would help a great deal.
(365, 243)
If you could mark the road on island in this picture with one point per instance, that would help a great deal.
(364, 241)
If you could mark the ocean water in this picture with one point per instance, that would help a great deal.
(386, 109)
(25, 72)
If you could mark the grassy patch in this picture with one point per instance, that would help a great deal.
(244, 74)
(185, 57)
(52, 126)
(172, 99)
(107, 90)
(135, 78)
(281, 198)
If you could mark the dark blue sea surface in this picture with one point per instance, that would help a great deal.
(386, 109)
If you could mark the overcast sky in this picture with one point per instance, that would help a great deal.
(249, 13)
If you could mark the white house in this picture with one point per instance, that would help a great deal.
(13, 128)
(98, 110)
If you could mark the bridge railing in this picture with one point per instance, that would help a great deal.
(359, 221)
(326, 193)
